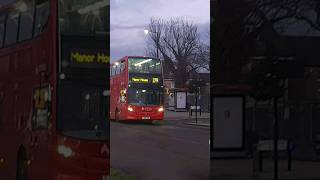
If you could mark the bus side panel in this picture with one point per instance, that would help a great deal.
(112, 99)
(8, 142)
(20, 77)
(40, 144)
(39, 138)
(115, 94)
(16, 114)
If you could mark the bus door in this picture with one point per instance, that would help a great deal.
(122, 98)
(41, 126)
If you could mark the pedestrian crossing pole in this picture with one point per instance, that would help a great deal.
(197, 106)
(275, 138)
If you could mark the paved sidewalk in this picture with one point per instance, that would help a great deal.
(198, 122)
(242, 169)
(203, 120)
(184, 115)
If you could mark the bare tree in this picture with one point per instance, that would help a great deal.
(240, 23)
(201, 58)
(177, 41)
(283, 12)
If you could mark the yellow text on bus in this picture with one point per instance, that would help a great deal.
(102, 58)
(155, 80)
(142, 80)
(89, 58)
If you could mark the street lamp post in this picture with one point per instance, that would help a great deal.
(146, 31)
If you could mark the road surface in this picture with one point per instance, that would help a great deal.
(162, 151)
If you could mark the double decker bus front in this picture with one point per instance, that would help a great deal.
(82, 91)
(145, 89)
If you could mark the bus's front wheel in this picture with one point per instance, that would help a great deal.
(22, 165)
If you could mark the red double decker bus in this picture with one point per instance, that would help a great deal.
(54, 74)
(136, 89)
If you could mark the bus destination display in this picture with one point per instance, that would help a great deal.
(154, 80)
(88, 59)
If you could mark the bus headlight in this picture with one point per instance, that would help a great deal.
(160, 109)
(65, 151)
(130, 109)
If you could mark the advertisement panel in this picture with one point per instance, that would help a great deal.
(228, 122)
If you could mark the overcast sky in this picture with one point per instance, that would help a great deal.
(130, 17)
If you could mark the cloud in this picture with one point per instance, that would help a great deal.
(114, 27)
(204, 31)
(129, 18)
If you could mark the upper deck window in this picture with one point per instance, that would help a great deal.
(145, 65)
(12, 28)
(26, 20)
(2, 29)
(84, 17)
(42, 15)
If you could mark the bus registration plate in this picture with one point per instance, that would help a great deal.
(145, 117)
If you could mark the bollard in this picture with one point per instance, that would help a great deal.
(289, 160)
(289, 149)
(255, 162)
(260, 161)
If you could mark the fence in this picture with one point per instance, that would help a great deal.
(301, 127)
(203, 102)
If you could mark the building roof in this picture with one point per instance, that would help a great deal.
(302, 48)
(202, 76)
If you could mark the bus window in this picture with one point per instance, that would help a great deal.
(2, 26)
(83, 17)
(122, 66)
(119, 69)
(112, 71)
(26, 21)
(12, 28)
(42, 15)
(142, 65)
(115, 70)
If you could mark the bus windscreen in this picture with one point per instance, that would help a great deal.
(144, 65)
(82, 111)
(84, 17)
(142, 96)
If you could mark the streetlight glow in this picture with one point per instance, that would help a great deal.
(146, 32)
